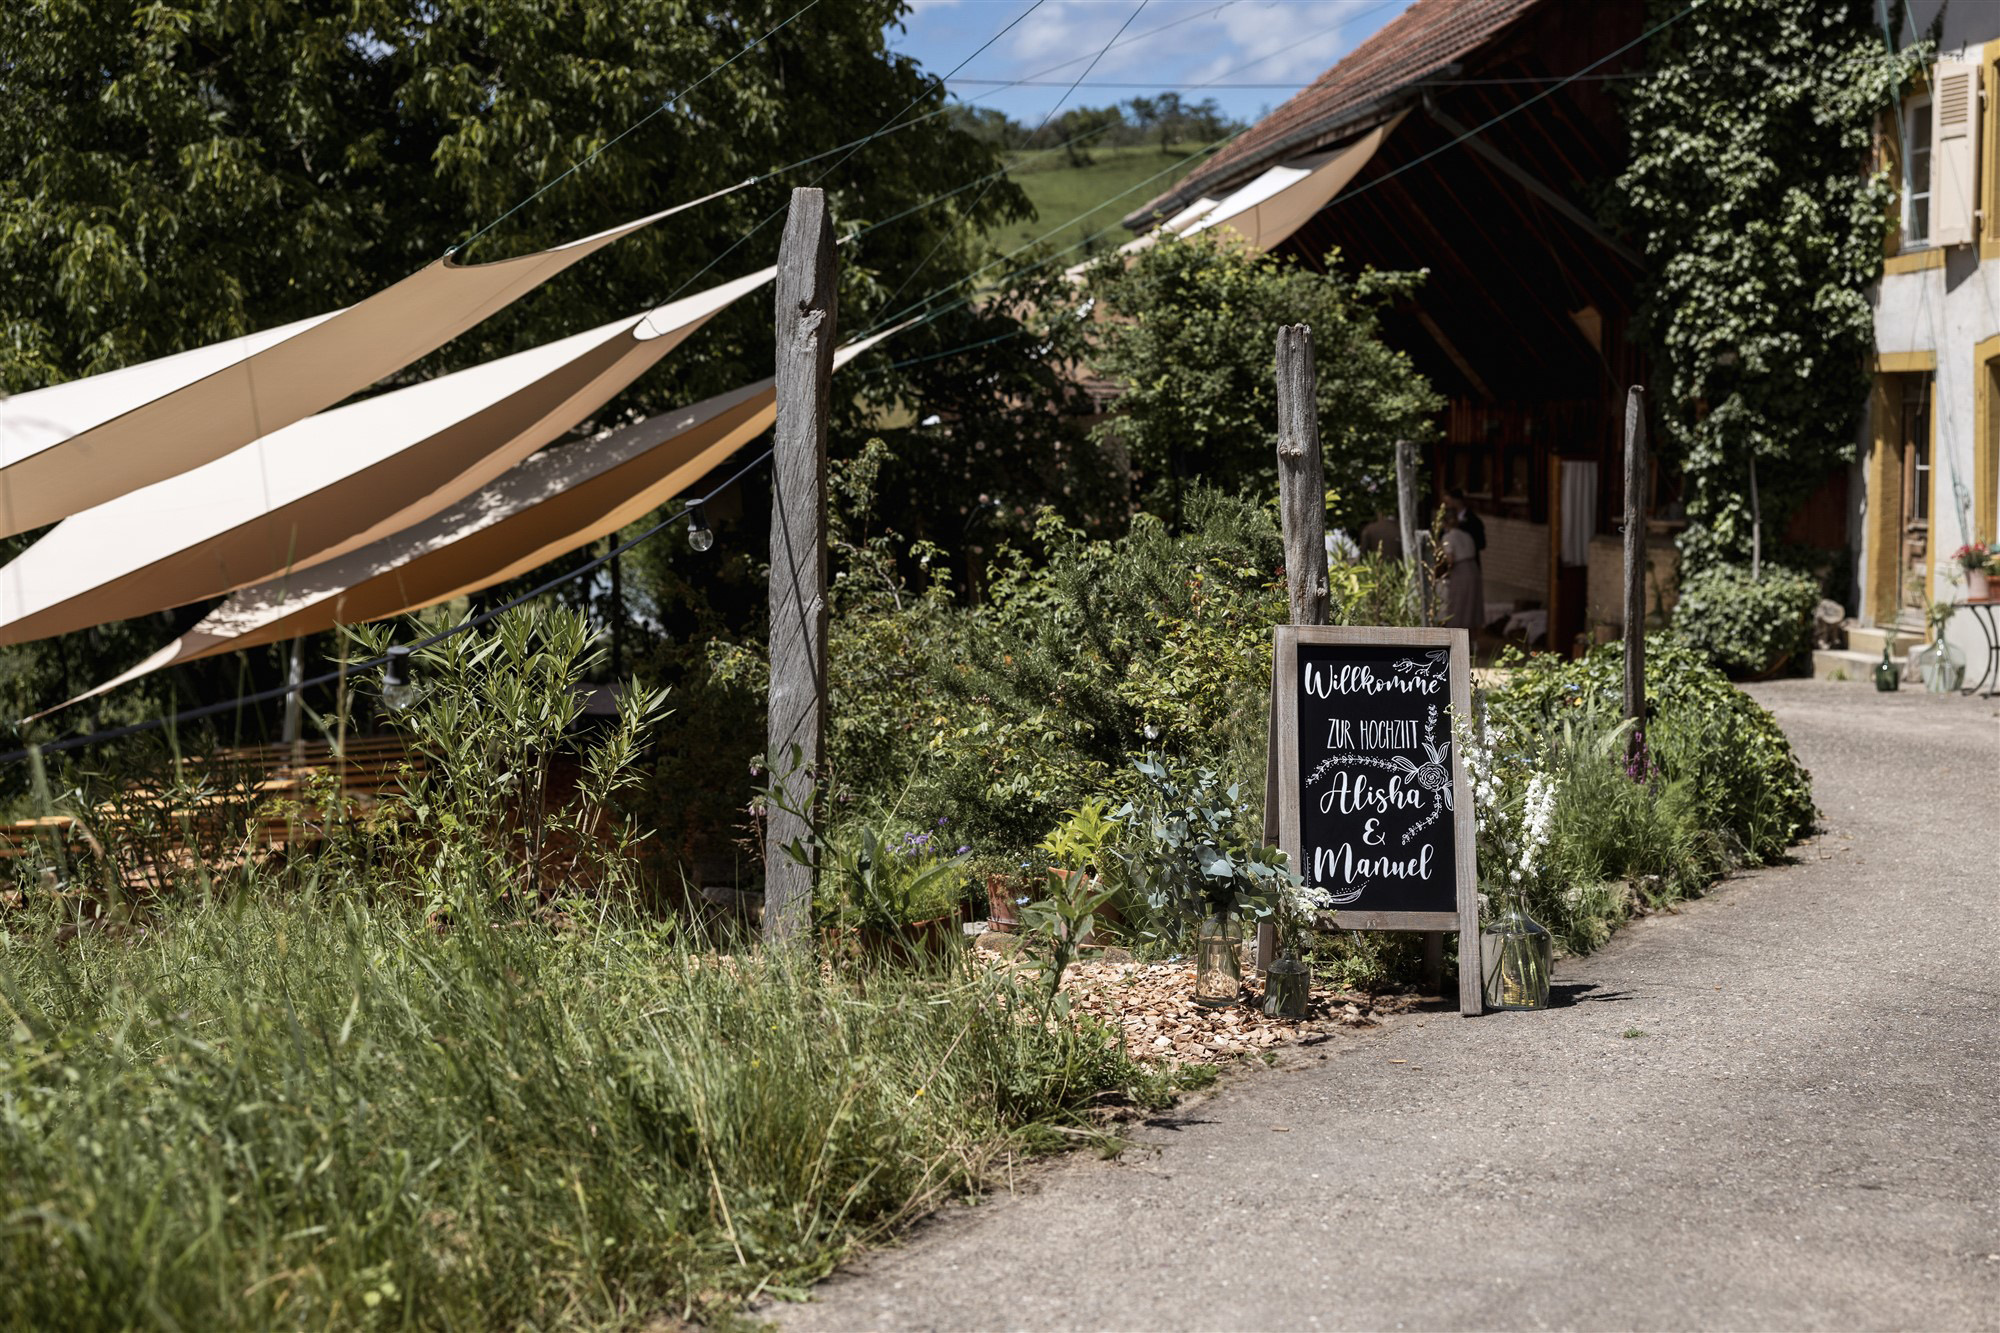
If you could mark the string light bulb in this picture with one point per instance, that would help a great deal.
(700, 535)
(398, 691)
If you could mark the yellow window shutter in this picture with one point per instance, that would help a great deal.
(1954, 152)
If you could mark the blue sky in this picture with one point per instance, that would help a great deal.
(1282, 43)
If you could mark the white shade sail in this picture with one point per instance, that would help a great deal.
(1274, 205)
(332, 482)
(71, 446)
(553, 503)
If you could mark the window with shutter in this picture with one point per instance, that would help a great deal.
(1916, 173)
(1954, 153)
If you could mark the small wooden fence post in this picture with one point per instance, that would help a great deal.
(806, 316)
(1302, 503)
(1638, 478)
(1411, 527)
(1414, 532)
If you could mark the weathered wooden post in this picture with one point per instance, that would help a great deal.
(806, 316)
(1411, 527)
(1638, 479)
(1414, 534)
(294, 677)
(1302, 504)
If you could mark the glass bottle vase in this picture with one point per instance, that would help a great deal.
(1218, 961)
(1287, 988)
(1517, 952)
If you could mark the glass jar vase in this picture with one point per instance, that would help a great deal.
(1218, 961)
(1942, 666)
(1517, 951)
(1287, 988)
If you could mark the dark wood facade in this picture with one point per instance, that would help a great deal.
(1525, 319)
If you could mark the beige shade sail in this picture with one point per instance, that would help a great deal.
(551, 504)
(1270, 208)
(332, 482)
(69, 447)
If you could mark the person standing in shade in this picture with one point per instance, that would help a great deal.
(1464, 591)
(1474, 526)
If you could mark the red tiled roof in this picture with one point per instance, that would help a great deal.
(1417, 43)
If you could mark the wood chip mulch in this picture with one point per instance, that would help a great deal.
(1153, 1005)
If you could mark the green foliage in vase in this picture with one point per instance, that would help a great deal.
(1198, 848)
(1746, 626)
(1189, 329)
(1750, 193)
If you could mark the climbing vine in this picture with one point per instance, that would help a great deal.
(1751, 191)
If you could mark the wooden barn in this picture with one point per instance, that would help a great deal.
(1473, 136)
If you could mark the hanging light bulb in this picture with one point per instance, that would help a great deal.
(700, 536)
(398, 691)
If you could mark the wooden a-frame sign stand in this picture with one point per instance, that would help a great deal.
(1369, 707)
(1321, 762)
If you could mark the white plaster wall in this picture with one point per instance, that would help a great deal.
(1947, 312)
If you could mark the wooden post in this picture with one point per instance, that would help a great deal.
(806, 315)
(1414, 533)
(1637, 482)
(1302, 503)
(294, 677)
(1411, 526)
(1301, 477)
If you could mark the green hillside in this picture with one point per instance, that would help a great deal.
(1062, 192)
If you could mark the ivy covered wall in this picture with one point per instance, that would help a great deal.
(1751, 191)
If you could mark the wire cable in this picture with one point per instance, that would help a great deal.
(598, 151)
(884, 128)
(1048, 115)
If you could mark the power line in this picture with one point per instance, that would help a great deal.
(1471, 133)
(595, 153)
(884, 128)
(1306, 83)
(1046, 116)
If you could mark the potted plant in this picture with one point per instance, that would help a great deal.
(894, 896)
(1007, 884)
(1973, 558)
(1084, 847)
(1198, 856)
(1514, 802)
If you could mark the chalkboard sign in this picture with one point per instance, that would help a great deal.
(1370, 800)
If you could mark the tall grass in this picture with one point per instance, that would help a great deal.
(332, 1114)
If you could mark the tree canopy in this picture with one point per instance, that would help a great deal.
(172, 174)
(1190, 331)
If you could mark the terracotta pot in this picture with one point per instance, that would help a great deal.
(904, 944)
(1003, 914)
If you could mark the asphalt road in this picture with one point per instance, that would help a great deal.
(1806, 1136)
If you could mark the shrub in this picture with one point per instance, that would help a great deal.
(1747, 627)
(1741, 777)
